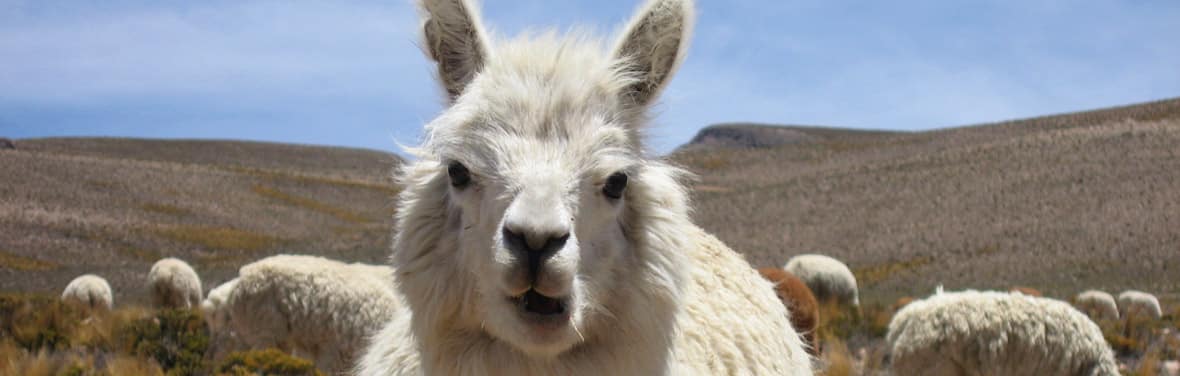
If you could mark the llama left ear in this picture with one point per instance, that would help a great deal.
(455, 40)
(653, 45)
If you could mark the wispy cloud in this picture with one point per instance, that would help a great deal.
(349, 73)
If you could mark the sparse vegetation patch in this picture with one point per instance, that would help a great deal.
(871, 275)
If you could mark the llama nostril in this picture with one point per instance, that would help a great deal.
(525, 242)
(555, 243)
(514, 240)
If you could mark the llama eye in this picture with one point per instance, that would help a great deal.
(460, 177)
(615, 184)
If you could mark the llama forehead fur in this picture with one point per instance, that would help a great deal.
(996, 333)
(1097, 304)
(828, 278)
(174, 284)
(317, 307)
(1135, 302)
(89, 291)
(540, 122)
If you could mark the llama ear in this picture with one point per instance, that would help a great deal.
(455, 40)
(653, 45)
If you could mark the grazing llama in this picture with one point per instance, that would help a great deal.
(534, 237)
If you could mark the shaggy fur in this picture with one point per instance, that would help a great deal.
(1138, 303)
(1097, 304)
(800, 302)
(536, 129)
(89, 292)
(996, 333)
(174, 284)
(829, 279)
(312, 306)
(216, 317)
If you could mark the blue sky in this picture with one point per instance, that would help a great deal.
(350, 73)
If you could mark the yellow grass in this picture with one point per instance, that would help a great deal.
(166, 209)
(15, 262)
(219, 238)
(307, 203)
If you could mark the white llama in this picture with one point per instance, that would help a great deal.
(533, 236)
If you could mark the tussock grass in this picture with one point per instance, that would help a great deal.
(266, 362)
(310, 204)
(41, 337)
(16, 262)
(219, 238)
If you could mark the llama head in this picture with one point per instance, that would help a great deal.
(523, 183)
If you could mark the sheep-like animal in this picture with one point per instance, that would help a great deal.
(800, 302)
(996, 333)
(174, 284)
(535, 236)
(216, 317)
(89, 292)
(1135, 303)
(311, 306)
(829, 279)
(1097, 304)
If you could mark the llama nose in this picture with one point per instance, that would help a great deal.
(543, 243)
(534, 247)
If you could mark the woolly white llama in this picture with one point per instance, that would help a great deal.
(312, 306)
(829, 278)
(1138, 303)
(996, 333)
(174, 284)
(216, 317)
(534, 238)
(90, 292)
(1097, 304)
(222, 338)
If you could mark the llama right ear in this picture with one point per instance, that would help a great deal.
(455, 41)
(653, 45)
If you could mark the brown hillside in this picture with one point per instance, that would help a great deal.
(114, 206)
(1061, 203)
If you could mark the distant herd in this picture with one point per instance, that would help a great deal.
(327, 310)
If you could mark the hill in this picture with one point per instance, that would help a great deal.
(754, 135)
(110, 206)
(1061, 203)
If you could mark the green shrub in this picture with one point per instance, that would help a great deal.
(266, 362)
(175, 339)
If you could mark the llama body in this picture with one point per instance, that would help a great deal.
(174, 284)
(90, 292)
(534, 238)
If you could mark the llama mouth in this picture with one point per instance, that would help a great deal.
(535, 303)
